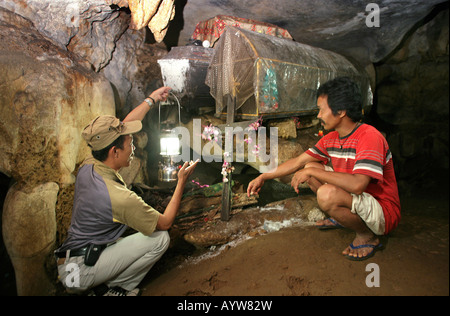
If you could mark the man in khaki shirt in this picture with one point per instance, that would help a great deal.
(94, 256)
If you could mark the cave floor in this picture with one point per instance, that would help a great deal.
(305, 261)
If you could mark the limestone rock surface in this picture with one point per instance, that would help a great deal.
(29, 232)
(46, 97)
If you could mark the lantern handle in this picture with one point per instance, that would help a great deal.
(179, 111)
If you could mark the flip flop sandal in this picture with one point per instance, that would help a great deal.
(370, 254)
(335, 225)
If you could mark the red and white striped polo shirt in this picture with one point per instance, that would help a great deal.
(364, 151)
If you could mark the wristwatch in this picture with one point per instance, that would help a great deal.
(150, 101)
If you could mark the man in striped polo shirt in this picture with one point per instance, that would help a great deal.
(350, 169)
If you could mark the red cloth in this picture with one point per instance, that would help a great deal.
(212, 29)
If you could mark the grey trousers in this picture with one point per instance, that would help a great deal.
(124, 263)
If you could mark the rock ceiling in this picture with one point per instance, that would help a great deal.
(338, 25)
(367, 31)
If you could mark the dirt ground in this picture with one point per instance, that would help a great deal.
(303, 261)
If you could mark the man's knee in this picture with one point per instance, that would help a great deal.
(326, 196)
(166, 238)
(157, 243)
(163, 239)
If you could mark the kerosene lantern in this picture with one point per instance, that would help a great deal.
(169, 149)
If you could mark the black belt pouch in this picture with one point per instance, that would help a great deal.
(92, 254)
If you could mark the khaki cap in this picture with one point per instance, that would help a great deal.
(105, 129)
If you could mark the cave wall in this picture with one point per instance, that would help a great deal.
(412, 103)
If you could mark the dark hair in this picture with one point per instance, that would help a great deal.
(102, 154)
(343, 95)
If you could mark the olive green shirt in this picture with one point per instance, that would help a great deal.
(127, 207)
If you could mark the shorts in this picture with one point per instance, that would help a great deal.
(368, 208)
(370, 211)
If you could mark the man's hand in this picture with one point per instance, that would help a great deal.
(186, 170)
(299, 177)
(255, 186)
(166, 219)
(139, 112)
(160, 94)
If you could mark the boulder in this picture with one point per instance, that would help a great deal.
(29, 232)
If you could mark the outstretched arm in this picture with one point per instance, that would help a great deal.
(166, 219)
(286, 168)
